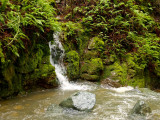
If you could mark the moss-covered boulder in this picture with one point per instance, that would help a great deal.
(29, 62)
(43, 75)
(126, 73)
(110, 59)
(11, 82)
(95, 66)
(92, 69)
(31, 70)
(141, 108)
(89, 77)
(96, 43)
(90, 54)
(73, 65)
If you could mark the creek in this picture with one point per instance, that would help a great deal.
(111, 103)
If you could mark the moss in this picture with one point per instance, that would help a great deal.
(106, 72)
(29, 62)
(12, 84)
(90, 54)
(73, 65)
(99, 44)
(96, 43)
(95, 66)
(129, 58)
(85, 66)
(44, 71)
(110, 60)
(126, 74)
(91, 69)
(9, 73)
(89, 77)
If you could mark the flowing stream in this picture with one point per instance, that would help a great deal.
(111, 103)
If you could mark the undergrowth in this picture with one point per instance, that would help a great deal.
(17, 17)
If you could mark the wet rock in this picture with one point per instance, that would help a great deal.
(82, 101)
(141, 108)
(110, 83)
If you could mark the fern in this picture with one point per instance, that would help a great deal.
(3, 6)
(24, 13)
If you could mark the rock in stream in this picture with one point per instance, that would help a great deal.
(139, 111)
(141, 108)
(82, 101)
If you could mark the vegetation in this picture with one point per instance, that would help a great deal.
(129, 32)
(73, 65)
(23, 44)
(100, 37)
(18, 17)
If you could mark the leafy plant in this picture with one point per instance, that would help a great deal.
(16, 16)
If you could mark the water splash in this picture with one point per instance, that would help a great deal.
(56, 59)
(122, 89)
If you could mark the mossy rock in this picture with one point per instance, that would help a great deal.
(44, 74)
(11, 82)
(90, 55)
(116, 71)
(89, 77)
(73, 65)
(91, 69)
(29, 62)
(96, 43)
(126, 74)
(110, 60)
(94, 66)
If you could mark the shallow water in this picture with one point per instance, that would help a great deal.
(111, 104)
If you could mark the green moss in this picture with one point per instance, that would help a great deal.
(11, 81)
(110, 60)
(9, 73)
(126, 74)
(96, 43)
(73, 64)
(29, 62)
(95, 66)
(90, 54)
(99, 44)
(89, 77)
(91, 70)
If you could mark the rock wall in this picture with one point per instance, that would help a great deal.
(29, 71)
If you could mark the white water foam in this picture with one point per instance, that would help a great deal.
(57, 50)
(121, 89)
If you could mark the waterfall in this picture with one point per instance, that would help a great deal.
(56, 59)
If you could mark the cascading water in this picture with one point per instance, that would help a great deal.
(56, 59)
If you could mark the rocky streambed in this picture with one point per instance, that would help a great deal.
(111, 104)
